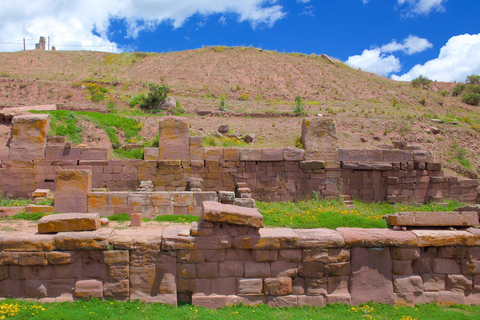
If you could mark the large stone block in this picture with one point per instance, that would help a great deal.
(86, 289)
(377, 237)
(371, 278)
(319, 138)
(440, 238)
(174, 141)
(73, 186)
(29, 136)
(63, 222)
(217, 212)
(432, 219)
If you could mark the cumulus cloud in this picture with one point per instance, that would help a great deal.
(410, 45)
(459, 58)
(421, 7)
(87, 22)
(375, 61)
(379, 60)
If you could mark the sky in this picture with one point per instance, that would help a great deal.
(399, 39)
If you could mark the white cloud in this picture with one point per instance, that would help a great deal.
(379, 61)
(375, 61)
(419, 7)
(410, 45)
(459, 58)
(73, 21)
(303, 1)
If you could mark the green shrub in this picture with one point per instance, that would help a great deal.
(136, 99)
(223, 103)
(299, 106)
(444, 93)
(471, 98)
(156, 95)
(420, 81)
(458, 89)
(473, 79)
(244, 97)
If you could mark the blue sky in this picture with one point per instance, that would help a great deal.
(393, 38)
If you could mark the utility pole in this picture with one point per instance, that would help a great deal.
(23, 44)
(48, 43)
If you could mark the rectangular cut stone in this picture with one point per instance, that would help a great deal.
(150, 154)
(272, 155)
(372, 166)
(371, 277)
(217, 212)
(432, 219)
(250, 154)
(269, 238)
(31, 208)
(440, 238)
(22, 242)
(319, 138)
(174, 141)
(293, 154)
(63, 222)
(357, 237)
(28, 137)
(73, 186)
(325, 238)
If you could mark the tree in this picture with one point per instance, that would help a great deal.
(299, 106)
(155, 97)
(473, 79)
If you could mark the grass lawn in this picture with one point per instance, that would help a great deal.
(96, 309)
(332, 214)
(311, 213)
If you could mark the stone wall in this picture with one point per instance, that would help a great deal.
(281, 266)
(287, 174)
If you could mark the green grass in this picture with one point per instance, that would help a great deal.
(64, 123)
(334, 214)
(6, 201)
(175, 218)
(96, 309)
(120, 217)
(35, 216)
(130, 154)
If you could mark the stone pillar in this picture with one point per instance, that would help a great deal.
(73, 186)
(319, 138)
(28, 137)
(174, 140)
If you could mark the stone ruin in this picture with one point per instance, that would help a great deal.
(41, 44)
(182, 164)
(228, 257)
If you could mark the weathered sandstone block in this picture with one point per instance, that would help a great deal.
(174, 141)
(432, 219)
(28, 137)
(63, 222)
(217, 212)
(73, 186)
(319, 138)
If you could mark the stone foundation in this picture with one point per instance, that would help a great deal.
(280, 267)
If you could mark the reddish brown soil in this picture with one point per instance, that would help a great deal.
(364, 105)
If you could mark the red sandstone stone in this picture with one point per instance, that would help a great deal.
(278, 286)
(64, 222)
(136, 220)
(377, 237)
(86, 289)
(216, 212)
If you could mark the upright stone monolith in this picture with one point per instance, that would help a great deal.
(174, 141)
(319, 138)
(28, 137)
(73, 186)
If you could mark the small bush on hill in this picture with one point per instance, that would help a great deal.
(223, 103)
(458, 89)
(156, 95)
(471, 98)
(299, 107)
(420, 81)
